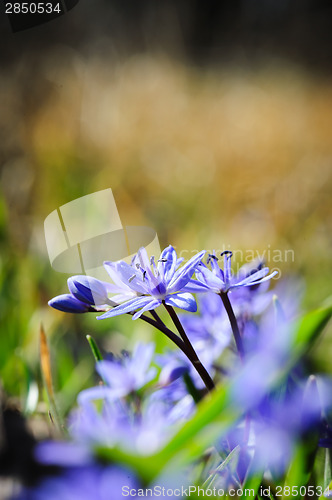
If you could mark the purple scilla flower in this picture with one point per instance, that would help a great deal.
(222, 280)
(63, 454)
(155, 283)
(83, 483)
(86, 294)
(123, 376)
(140, 426)
(282, 420)
(106, 416)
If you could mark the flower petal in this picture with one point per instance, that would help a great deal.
(151, 305)
(111, 268)
(184, 301)
(169, 267)
(145, 264)
(131, 277)
(127, 307)
(256, 282)
(194, 286)
(208, 278)
(183, 275)
(253, 277)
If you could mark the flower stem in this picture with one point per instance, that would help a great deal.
(171, 335)
(233, 322)
(157, 317)
(191, 351)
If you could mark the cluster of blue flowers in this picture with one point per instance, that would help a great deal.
(241, 333)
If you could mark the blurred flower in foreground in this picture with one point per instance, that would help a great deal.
(90, 482)
(125, 375)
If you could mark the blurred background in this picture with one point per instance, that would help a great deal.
(211, 122)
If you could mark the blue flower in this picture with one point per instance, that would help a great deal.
(222, 280)
(141, 426)
(154, 283)
(123, 376)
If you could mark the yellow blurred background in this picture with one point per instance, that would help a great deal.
(210, 159)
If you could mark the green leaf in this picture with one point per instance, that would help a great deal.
(94, 348)
(327, 468)
(309, 327)
(296, 475)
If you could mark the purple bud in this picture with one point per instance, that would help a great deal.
(68, 303)
(89, 290)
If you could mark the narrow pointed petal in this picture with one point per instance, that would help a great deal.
(132, 277)
(148, 307)
(111, 268)
(194, 286)
(227, 266)
(127, 307)
(145, 264)
(169, 267)
(256, 282)
(123, 297)
(183, 275)
(253, 277)
(216, 269)
(142, 356)
(207, 277)
(184, 301)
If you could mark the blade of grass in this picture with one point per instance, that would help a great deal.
(45, 363)
(94, 348)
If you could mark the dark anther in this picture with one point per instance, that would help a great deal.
(162, 260)
(131, 278)
(210, 257)
(144, 274)
(227, 252)
(138, 266)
